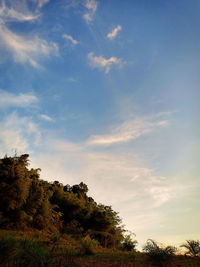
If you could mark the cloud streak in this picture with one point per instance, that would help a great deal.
(26, 50)
(22, 49)
(45, 117)
(127, 131)
(114, 32)
(70, 38)
(103, 63)
(10, 14)
(40, 3)
(13, 100)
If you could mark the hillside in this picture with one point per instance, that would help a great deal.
(27, 202)
(51, 224)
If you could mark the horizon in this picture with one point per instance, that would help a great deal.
(106, 93)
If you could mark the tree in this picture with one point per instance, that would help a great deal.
(80, 189)
(14, 187)
(29, 202)
(193, 247)
(129, 243)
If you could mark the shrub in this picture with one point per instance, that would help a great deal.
(88, 245)
(158, 255)
(193, 247)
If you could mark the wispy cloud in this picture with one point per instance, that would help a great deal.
(24, 49)
(17, 100)
(17, 133)
(10, 14)
(45, 117)
(72, 79)
(127, 172)
(103, 63)
(40, 3)
(127, 131)
(114, 32)
(91, 5)
(70, 38)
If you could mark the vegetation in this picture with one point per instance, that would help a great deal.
(28, 202)
(158, 255)
(88, 245)
(9, 248)
(129, 243)
(192, 247)
(51, 224)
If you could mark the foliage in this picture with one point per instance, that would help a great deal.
(9, 248)
(128, 243)
(193, 247)
(31, 253)
(158, 254)
(88, 245)
(27, 202)
(28, 252)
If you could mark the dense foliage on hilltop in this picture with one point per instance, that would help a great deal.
(27, 202)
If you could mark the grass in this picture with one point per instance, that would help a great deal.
(40, 249)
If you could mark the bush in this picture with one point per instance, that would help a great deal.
(158, 255)
(88, 245)
(193, 248)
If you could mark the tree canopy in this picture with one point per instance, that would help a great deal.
(29, 202)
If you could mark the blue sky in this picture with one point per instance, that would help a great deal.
(106, 92)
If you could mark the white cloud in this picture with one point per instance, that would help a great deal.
(17, 133)
(46, 117)
(114, 32)
(127, 131)
(24, 49)
(17, 100)
(10, 14)
(70, 38)
(41, 3)
(103, 63)
(91, 5)
(11, 141)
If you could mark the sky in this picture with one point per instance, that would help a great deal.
(107, 92)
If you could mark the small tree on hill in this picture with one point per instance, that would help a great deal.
(129, 243)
